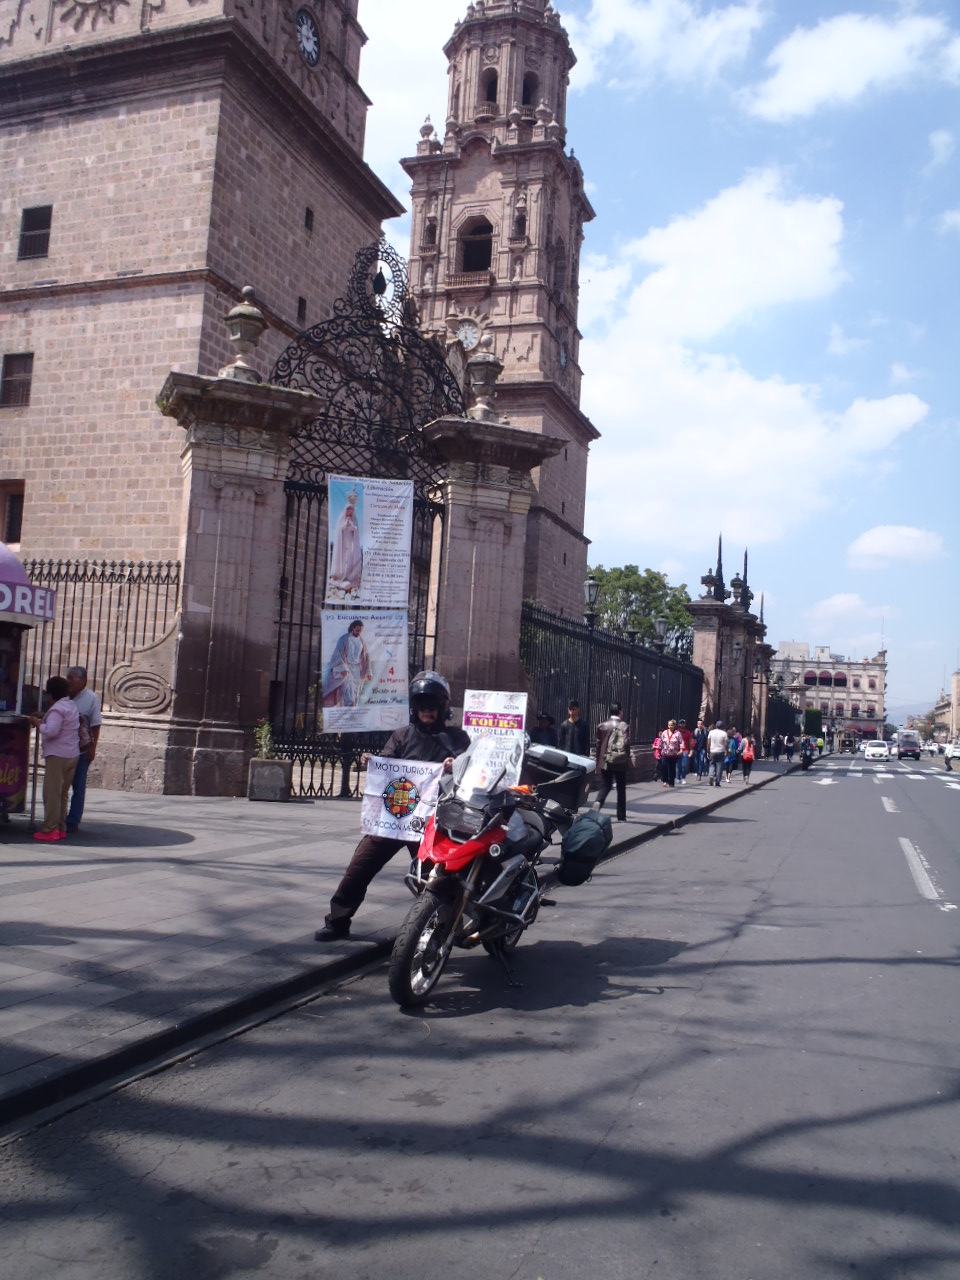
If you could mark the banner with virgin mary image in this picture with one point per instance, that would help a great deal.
(371, 530)
(363, 681)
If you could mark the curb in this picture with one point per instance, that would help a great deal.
(59, 1088)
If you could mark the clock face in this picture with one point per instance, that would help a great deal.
(468, 334)
(563, 355)
(308, 38)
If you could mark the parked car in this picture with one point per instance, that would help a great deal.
(876, 751)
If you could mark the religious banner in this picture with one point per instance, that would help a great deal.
(371, 531)
(399, 797)
(363, 682)
(498, 718)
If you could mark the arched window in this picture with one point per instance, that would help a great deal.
(488, 86)
(839, 709)
(856, 682)
(520, 225)
(531, 87)
(825, 678)
(872, 683)
(810, 677)
(839, 680)
(476, 246)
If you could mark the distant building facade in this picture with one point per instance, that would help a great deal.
(850, 694)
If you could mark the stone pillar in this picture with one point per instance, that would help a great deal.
(487, 495)
(184, 708)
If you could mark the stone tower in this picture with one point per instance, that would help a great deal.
(498, 209)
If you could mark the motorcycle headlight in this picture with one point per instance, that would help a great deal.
(417, 824)
(495, 850)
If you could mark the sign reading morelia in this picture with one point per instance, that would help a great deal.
(22, 602)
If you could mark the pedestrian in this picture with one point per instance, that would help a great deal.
(683, 764)
(789, 744)
(747, 752)
(613, 760)
(426, 738)
(777, 747)
(573, 734)
(766, 746)
(716, 749)
(88, 706)
(545, 734)
(732, 753)
(671, 748)
(820, 746)
(59, 729)
(700, 749)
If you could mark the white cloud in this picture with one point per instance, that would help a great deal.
(839, 344)
(749, 248)
(950, 221)
(638, 41)
(844, 608)
(942, 146)
(901, 374)
(890, 544)
(845, 57)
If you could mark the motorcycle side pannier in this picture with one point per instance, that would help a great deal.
(555, 776)
(582, 847)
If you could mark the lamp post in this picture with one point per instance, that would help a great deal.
(661, 625)
(632, 637)
(591, 590)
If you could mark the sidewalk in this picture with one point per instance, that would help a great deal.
(168, 917)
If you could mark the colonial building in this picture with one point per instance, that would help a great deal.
(156, 158)
(498, 214)
(850, 694)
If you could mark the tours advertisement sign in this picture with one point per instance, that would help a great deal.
(371, 531)
(499, 718)
(363, 685)
(398, 797)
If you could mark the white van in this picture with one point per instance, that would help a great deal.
(908, 743)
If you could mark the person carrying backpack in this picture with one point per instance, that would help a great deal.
(748, 748)
(613, 760)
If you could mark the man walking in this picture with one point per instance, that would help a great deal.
(717, 749)
(88, 705)
(613, 759)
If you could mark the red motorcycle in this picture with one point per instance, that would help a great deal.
(475, 874)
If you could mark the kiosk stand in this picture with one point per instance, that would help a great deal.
(22, 605)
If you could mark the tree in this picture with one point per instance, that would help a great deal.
(813, 722)
(631, 601)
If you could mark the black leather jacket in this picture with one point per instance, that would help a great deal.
(413, 742)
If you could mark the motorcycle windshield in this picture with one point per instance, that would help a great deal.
(481, 772)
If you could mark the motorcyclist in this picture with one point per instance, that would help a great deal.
(425, 738)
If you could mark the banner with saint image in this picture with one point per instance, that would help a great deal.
(371, 532)
(363, 681)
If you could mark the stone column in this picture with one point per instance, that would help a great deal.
(184, 709)
(487, 494)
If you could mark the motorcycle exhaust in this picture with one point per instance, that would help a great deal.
(508, 873)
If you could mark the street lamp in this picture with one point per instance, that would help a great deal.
(591, 590)
(661, 626)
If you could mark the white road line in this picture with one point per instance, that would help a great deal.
(917, 777)
(921, 875)
(889, 805)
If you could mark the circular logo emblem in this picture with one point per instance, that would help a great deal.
(401, 798)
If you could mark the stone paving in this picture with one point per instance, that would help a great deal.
(162, 910)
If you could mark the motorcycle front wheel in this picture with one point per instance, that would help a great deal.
(421, 950)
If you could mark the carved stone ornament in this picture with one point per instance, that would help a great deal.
(491, 53)
(77, 12)
(145, 683)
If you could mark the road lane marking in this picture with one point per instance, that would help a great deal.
(825, 782)
(917, 777)
(921, 875)
(889, 805)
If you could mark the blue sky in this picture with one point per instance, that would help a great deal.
(769, 297)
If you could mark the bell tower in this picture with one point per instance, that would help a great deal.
(498, 209)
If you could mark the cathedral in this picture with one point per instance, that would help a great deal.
(159, 156)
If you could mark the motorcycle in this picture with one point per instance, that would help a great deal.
(806, 755)
(475, 874)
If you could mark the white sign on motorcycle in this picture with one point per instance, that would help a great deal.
(498, 717)
(398, 797)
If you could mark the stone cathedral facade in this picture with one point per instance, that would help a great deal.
(498, 210)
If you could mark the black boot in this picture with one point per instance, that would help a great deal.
(333, 932)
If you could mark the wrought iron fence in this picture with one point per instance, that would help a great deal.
(105, 609)
(565, 659)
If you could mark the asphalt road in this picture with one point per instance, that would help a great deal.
(735, 1057)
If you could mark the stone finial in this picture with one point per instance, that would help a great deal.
(245, 324)
(426, 129)
(483, 370)
(543, 112)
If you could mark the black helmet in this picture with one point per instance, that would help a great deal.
(430, 692)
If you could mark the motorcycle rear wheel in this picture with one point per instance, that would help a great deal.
(421, 950)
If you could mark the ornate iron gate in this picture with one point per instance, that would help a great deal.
(380, 380)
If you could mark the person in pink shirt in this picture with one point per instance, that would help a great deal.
(60, 745)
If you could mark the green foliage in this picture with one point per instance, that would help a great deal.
(631, 600)
(263, 736)
(813, 722)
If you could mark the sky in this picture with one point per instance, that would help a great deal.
(769, 297)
